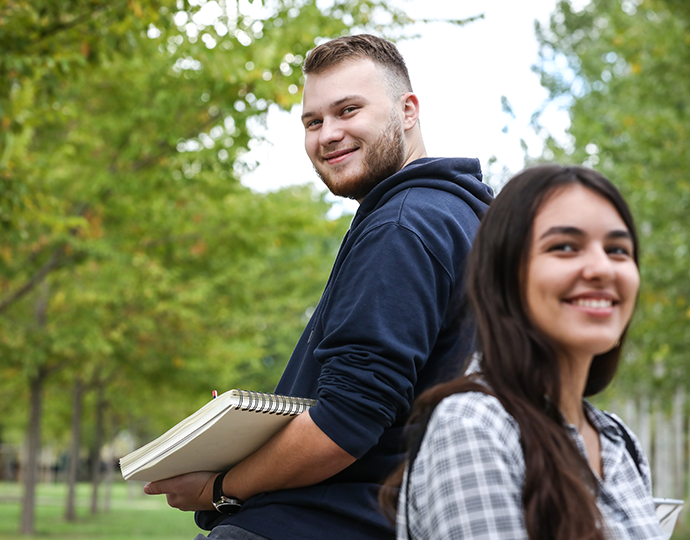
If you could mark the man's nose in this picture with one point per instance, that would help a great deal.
(331, 132)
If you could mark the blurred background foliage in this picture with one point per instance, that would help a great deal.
(137, 274)
(622, 69)
(130, 253)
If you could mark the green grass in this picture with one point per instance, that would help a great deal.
(132, 515)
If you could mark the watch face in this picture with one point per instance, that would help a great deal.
(228, 506)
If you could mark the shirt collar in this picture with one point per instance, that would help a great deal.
(601, 421)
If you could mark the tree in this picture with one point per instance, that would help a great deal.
(128, 245)
(627, 89)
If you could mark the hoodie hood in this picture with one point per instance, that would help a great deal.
(459, 176)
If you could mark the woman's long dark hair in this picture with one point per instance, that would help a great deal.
(519, 362)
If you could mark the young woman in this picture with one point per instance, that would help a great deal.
(511, 450)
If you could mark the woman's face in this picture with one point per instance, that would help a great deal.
(581, 281)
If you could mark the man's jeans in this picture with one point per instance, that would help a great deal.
(230, 532)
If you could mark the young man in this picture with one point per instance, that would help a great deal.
(388, 323)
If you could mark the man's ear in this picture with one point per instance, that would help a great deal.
(410, 105)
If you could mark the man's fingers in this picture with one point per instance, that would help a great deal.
(191, 491)
(154, 488)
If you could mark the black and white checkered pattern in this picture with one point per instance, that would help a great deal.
(467, 479)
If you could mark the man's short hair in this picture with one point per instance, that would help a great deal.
(361, 47)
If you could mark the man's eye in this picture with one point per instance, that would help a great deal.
(312, 123)
(348, 110)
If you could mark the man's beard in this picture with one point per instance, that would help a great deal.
(383, 158)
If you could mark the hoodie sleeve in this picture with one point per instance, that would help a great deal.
(380, 326)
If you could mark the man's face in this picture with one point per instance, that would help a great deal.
(353, 129)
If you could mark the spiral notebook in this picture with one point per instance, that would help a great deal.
(222, 433)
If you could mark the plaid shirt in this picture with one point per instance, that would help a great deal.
(468, 477)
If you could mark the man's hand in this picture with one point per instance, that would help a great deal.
(193, 491)
(299, 455)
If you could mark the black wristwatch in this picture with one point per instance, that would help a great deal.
(224, 504)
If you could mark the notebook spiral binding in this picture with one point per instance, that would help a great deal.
(261, 402)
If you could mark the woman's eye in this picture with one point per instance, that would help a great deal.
(618, 250)
(567, 248)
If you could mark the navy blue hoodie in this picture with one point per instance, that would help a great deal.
(387, 327)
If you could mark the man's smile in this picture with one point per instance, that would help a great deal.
(338, 155)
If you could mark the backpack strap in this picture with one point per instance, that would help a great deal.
(629, 444)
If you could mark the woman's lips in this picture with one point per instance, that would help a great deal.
(593, 304)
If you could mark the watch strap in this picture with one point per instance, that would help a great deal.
(223, 503)
(218, 487)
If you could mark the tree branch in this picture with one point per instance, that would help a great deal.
(76, 21)
(172, 239)
(36, 279)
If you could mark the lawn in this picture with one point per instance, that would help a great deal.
(132, 516)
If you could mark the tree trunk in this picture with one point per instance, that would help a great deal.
(663, 480)
(28, 517)
(78, 398)
(107, 499)
(678, 441)
(97, 445)
(686, 512)
(631, 417)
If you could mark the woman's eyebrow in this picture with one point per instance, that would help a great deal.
(575, 231)
(620, 233)
(563, 229)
